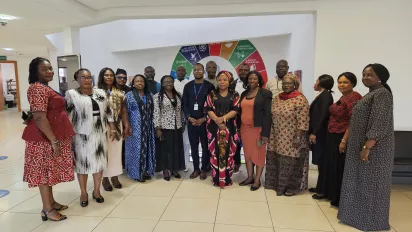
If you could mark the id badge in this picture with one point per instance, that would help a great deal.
(196, 106)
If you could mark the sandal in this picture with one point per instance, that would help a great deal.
(62, 207)
(46, 217)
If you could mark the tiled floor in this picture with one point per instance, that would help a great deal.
(175, 206)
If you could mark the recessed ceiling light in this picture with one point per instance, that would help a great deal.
(7, 17)
(8, 49)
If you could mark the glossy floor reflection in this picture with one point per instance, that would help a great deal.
(175, 206)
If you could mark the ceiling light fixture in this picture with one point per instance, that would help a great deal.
(7, 17)
(8, 49)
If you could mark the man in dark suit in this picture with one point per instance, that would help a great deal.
(194, 97)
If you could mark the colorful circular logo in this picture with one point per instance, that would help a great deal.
(235, 52)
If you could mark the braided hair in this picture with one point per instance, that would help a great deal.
(34, 69)
(162, 92)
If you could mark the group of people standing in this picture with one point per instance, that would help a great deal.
(155, 126)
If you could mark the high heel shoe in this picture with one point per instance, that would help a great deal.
(46, 217)
(244, 183)
(98, 199)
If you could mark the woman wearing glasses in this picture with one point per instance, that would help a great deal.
(116, 97)
(91, 117)
(287, 161)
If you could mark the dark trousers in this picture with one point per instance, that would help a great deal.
(196, 134)
(321, 186)
(237, 153)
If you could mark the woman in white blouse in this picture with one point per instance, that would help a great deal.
(169, 124)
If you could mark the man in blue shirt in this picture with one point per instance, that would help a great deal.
(149, 73)
(194, 98)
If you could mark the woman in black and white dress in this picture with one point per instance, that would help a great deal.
(169, 123)
(90, 115)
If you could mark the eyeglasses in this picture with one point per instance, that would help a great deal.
(122, 78)
(86, 78)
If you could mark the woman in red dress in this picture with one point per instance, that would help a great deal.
(48, 136)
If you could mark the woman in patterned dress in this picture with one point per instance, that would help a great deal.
(48, 156)
(116, 97)
(91, 118)
(340, 114)
(169, 122)
(366, 185)
(222, 106)
(287, 161)
(140, 146)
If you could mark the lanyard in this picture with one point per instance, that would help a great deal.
(200, 89)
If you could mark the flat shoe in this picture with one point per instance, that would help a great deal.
(312, 190)
(318, 197)
(254, 188)
(244, 183)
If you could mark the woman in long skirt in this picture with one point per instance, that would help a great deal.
(366, 185)
(140, 146)
(222, 106)
(169, 123)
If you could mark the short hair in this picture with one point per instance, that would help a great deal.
(146, 83)
(34, 69)
(200, 65)
(283, 61)
(100, 83)
(326, 81)
(121, 71)
(79, 71)
(350, 76)
(150, 68)
(260, 78)
(295, 79)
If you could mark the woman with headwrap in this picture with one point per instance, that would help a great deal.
(222, 106)
(366, 186)
(287, 161)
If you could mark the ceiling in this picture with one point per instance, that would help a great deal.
(36, 18)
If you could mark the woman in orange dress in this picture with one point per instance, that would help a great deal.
(255, 126)
(48, 135)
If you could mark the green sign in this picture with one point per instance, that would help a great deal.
(3, 57)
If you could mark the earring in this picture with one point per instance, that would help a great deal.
(379, 81)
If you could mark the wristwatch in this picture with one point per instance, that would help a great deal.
(366, 148)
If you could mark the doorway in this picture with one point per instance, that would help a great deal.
(9, 85)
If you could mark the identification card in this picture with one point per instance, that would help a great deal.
(196, 107)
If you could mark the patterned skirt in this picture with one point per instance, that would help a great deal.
(285, 173)
(42, 167)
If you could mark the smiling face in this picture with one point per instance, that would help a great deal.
(253, 81)
(138, 83)
(121, 79)
(85, 80)
(149, 73)
(198, 71)
(288, 85)
(282, 69)
(108, 78)
(211, 69)
(45, 72)
(181, 72)
(223, 82)
(369, 78)
(168, 83)
(344, 85)
(243, 71)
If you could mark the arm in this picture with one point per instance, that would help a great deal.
(302, 115)
(125, 120)
(185, 101)
(324, 102)
(267, 114)
(349, 106)
(156, 112)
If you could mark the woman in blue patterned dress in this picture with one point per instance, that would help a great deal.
(140, 146)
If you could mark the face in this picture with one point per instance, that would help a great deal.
(181, 72)
(108, 77)
(211, 69)
(121, 79)
(369, 77)
(243, 71)
(288, 85)
(85, 80)
(138, 83)
(253, 81)
(198, 72)
(223, 81)
(168, 83)
(149, 73)
(316, 86)
(45, 72)
(344, 85)
(282, 69)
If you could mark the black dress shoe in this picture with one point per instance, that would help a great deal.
(141, 180)
(244, 183)
(166, 178)
(177, 175)
(254, 188)
(98, 199)
(84, 203)
(335, 203)
(318, 197)
(312, 190)
(147, 177)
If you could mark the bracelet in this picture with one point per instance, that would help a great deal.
(343, 141)
(57, 141)
(366, 148)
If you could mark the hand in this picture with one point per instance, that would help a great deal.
(312, 139)
(112, 135)
(264, 139)
(296, 142)
(56, 149)
(222, 126)
(364, 155)
(192, 120)
(126, 132)
(342, 147)
(159, 134)
(219, 120)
